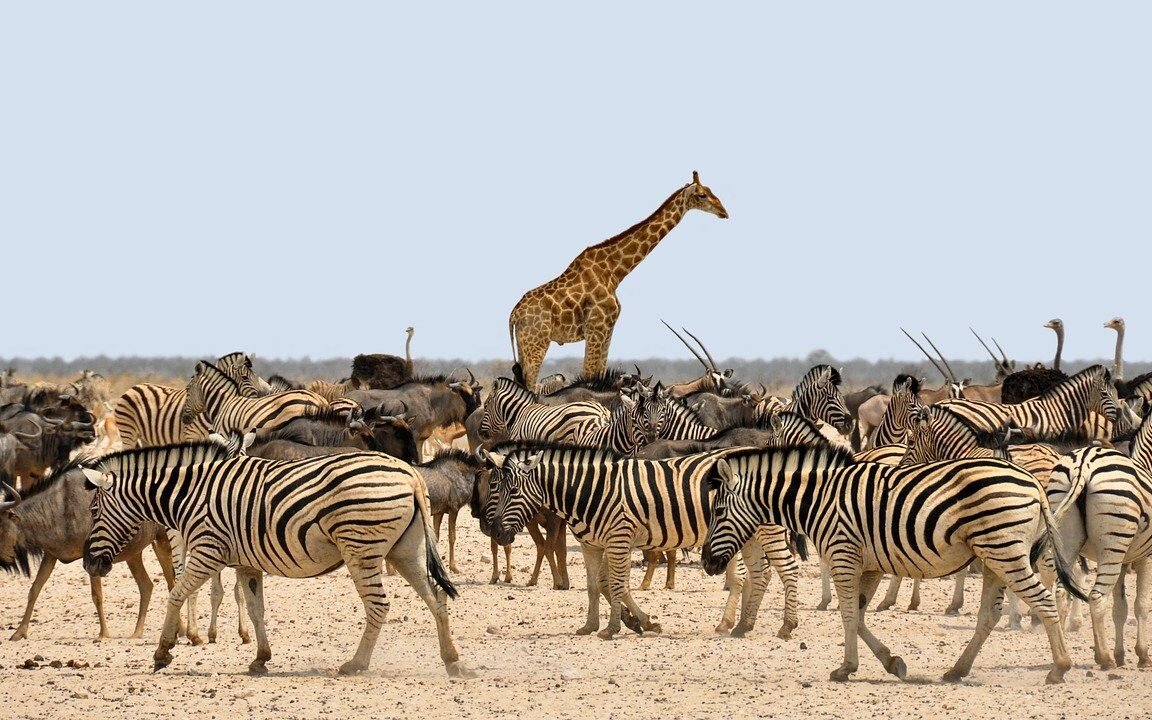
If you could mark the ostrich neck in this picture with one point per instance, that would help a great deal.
(1059, 349)
(1118, 363)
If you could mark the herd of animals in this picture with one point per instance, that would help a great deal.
(1028, 476)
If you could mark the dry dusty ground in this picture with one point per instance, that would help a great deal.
(529, 662)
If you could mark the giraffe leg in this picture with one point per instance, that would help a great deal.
(599, 321)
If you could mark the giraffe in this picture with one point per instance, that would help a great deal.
(580, 303)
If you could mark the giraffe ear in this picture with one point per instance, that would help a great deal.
(695, 177)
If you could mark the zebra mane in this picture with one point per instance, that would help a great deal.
(810, 376)
(513, 387)
(1089, 373)
(603, 381)
(913, 382)
(158, 457)
(531, 447)
(787, 417)
(796, 457)
(991, 439)
(453, 454)
(212, 368)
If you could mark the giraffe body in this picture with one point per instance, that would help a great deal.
(581, 303)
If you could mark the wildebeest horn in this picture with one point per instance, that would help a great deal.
(930, 358)
(471, 377)
(690, 348)
(951, 375)
(990, 353)
(30, 436)
(6, 489)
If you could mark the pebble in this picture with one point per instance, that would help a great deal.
(570, 674)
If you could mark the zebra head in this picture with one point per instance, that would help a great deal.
(653, 415)
(514, 508)
(817, 397)
(113, 525)
(920, 437)
(482, 503)
(195, 400)
(733, 521)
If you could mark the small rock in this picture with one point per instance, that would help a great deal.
(511, 597)
(805, 684)
(612, 681)
(38, 658)
(30, 664)
(56, 664)
(1090, 674)
(493, 630)
(570, 674)
(803, 646)
(80, 695)
(1115, 676)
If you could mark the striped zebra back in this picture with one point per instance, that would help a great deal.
(516, 413)
(938, 433)
(883, 454)
(241, 414)
(148, 414)
(1140, 449)
(792, 429)
(621, 433)
(238, 366)
(1059, 413)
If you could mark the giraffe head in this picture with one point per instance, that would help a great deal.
(701, 197)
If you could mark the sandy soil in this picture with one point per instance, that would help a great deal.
(520, 641)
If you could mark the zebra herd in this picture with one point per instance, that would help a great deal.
(631, 464)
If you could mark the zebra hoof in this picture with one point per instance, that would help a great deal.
(560, 586)
(784, 633)
(1144, 663)
(723, 627)
(952, 611)
(587, 630)
(257, 668)
(211, 638)
(653, 628)
(606, 634)
(161, 661)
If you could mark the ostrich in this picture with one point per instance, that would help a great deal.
(408, 350)
(1057, 325)
(1034, 381)
(1117, 324)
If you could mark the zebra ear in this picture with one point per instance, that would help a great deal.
(495, 458)
(726, 374)
(97, 479)
(218, 439)
(627, 401)
(727, 474)
(249, 440)
(530, 464)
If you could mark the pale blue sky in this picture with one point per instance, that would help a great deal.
(307, 179)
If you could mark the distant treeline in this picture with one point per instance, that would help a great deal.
(775, 373)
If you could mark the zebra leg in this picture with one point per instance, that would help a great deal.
(825, 586)
(651, 558)
(495, 564)
(508, 564)
(847, 581)
(755, 584)
(97, 586)
(1109, 575)
(47, 563)
(1011, 601)
(253, 584)
(914, 601)
(889, 597)
(894, 664)
(216, 597)
(991, 607)
(1119, 618)
(616, 564)
(735, 576)
(145, 585)
(593, 557)
(773, 546)
(1143, 605)
(196, 572)
(193, 627)
(241, 612)
(670, 558)
(957, 593)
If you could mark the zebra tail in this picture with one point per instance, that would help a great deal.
(432, 558)
(800, 545)
(1076, 483)
(1052, 539)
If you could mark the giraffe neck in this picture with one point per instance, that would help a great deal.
(613, 259)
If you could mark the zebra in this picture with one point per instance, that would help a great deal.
(513, 412)
(614, 505)
(218, 399)
(937, 433)
(238, 366)
(1058, 413)
(923, 521)
(293, 519)
(893, 427)
(148, 414)
(1104, 511)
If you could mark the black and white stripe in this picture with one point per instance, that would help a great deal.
(512, 412)
(295, 519)
(868, 519)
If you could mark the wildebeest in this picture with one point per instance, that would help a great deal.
(52, 521)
